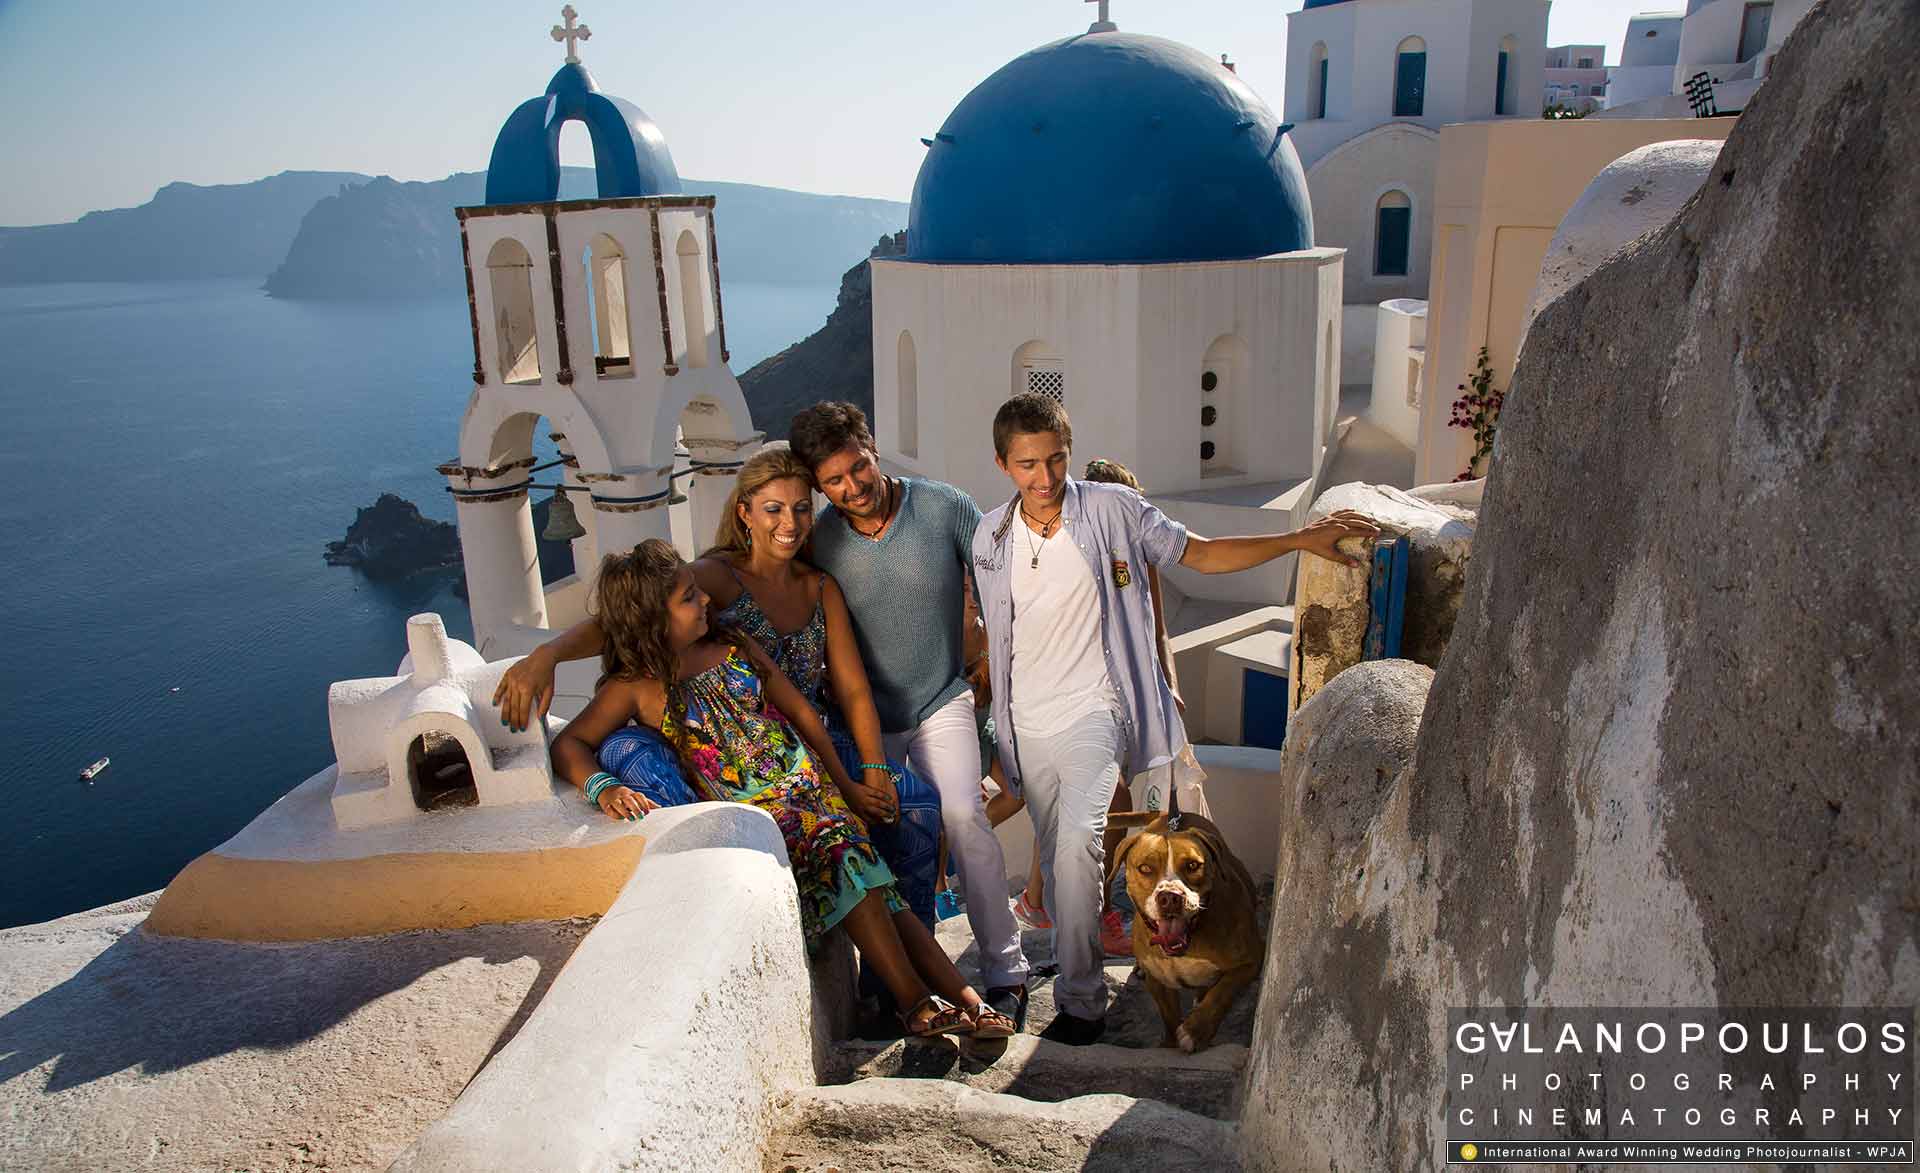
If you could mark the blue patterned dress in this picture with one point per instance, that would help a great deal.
(911, 846)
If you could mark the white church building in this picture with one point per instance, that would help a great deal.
(1120, 222)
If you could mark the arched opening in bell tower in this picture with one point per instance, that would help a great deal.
(510, 276)
(693, 298)
(606, 267)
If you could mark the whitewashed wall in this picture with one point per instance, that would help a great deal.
(1132, 339)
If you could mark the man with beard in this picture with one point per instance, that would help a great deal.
(899, 547)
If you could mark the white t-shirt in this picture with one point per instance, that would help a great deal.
(1059, 668)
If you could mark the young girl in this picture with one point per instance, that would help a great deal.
(757, 585)
(745, 734)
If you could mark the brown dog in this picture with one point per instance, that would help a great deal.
(1194, 920)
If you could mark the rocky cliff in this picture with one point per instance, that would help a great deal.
(384, 238)
(185, 232)
(834, 362)
(1669, 757)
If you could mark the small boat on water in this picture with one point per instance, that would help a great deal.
(88, 774)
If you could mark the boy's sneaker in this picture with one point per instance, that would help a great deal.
(1032, 916)
(1116, 935)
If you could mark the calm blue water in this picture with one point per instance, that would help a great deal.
(173, 458)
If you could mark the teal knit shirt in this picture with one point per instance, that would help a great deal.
(904, 592)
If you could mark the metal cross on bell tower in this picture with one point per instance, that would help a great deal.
(1103, 25)
(572, 33)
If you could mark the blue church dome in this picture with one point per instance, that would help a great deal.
(630, 155)
(1110, 148)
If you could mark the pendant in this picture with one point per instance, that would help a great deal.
(1035, 564)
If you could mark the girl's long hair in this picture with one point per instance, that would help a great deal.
(1113, 473)
(772, 463)
(630, 603)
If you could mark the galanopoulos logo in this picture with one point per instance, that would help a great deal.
(1701, 1085)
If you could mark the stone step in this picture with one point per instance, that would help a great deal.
(939, 1126)
(1041, 1070)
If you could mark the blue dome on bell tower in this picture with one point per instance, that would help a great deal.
(630, 156)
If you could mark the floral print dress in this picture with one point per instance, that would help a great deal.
(911, 846)
(739, 748)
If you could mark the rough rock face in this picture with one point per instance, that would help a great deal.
(1345, 748)
(390, 539)
(1330, 602)
(834, 362)
(1670, 755)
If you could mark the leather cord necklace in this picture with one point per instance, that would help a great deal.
(1046, 531)
(892, 504)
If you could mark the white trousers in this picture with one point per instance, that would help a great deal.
(945, 750)
(1068, 779)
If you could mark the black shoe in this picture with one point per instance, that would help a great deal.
(1073, 1030)
(1010, 1001)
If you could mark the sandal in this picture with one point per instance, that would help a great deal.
(989, 1023)
(942, 1018)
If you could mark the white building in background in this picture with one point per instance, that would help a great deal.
(1369, 84)
(1731, 41)
(602, 321)
(1576, 77)
(1647, 58)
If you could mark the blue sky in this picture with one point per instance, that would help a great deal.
(108, 101)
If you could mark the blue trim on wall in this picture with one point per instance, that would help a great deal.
(630, 156)
(1109, 148)
(1410, 85)
(1392, 241)
(1263, 709)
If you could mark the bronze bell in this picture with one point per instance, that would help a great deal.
(563, 525)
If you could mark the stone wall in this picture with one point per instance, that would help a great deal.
(1670, 756)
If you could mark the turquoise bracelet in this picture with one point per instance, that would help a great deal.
(598, 782)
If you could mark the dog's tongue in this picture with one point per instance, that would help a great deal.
(1171, 934)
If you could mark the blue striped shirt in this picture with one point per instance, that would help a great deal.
(1120, 533)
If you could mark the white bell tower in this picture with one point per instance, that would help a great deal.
(604, 318)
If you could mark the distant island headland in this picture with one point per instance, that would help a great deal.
(346, 235)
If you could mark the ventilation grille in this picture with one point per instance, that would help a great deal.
(1048, 381)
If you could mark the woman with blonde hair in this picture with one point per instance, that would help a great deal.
(759, 586)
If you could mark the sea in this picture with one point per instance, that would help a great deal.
(174, 457)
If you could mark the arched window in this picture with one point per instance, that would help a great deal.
(1393, 234)
(510, 277)
(1410, 78)
(693, 299)
(1222, 401)
(909, 396)
(606, 266)
(1039, 370)
(1317, 81)
(1504, 82)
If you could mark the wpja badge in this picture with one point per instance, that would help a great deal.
(1702, 1086)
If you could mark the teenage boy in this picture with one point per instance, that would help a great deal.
(1077, 690)
(898, 547)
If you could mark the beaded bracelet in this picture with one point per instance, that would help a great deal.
(597, 783)
(876, 766)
